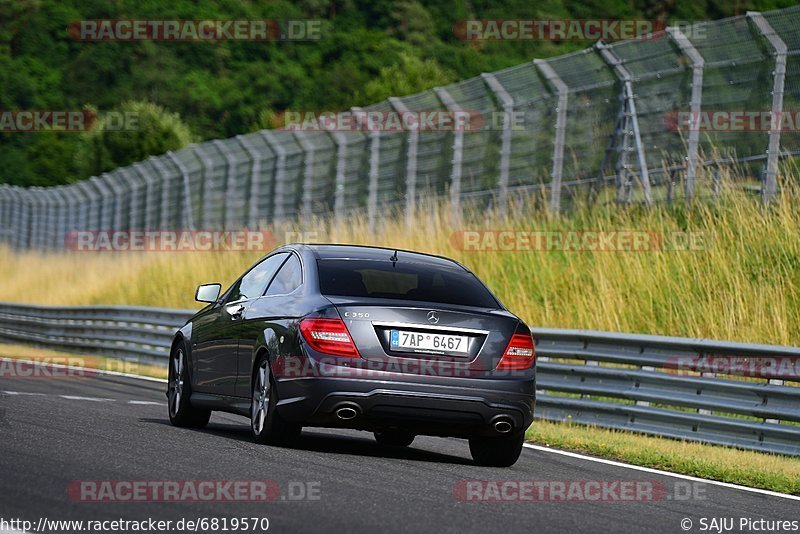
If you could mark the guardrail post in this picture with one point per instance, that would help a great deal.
(458, 154)
(779, 74)
(255, 177)
(411, 163)
(507, 102)
(340, 140)
(308, 174)
(624, 76)
(188, 215)
(698, 64)
(561, 128)
(278, 213)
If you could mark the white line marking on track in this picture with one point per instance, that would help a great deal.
(92, 399)
(146, 403)
(23, 393)
(660, 472)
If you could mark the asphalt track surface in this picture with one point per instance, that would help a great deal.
(56, 431)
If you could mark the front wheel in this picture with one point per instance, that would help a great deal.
(497, 451)
(179, 390)
(266, 425)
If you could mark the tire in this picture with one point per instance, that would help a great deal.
(499, 451)
(266, 425)
(179, 393)
(394, 438)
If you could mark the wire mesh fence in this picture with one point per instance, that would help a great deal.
(640, 118)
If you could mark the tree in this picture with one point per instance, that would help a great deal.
(129, 134)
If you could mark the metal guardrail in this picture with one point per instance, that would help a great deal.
(650, 384)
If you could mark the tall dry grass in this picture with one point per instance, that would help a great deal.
(743, 283)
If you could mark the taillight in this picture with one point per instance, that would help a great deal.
(519, 354)
(329, 336)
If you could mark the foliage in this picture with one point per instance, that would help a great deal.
(369, 49)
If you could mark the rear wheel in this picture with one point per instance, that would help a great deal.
(266, 424)
(497, 451)
(394, 438)
(179, 391)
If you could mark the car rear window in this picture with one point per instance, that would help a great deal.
(403, 281)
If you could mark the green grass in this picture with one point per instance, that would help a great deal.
(754, 469)
(742, 285)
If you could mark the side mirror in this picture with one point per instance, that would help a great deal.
(208, 293)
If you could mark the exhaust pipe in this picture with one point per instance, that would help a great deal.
(346, 413)
(503, 425)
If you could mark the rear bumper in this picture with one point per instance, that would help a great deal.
(457, 407)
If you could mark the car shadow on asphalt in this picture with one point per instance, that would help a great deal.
(315, 440)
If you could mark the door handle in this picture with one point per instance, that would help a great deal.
(235, 310)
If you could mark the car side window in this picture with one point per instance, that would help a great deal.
(254, 283)
(288, 278)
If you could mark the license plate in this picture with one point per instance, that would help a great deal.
(422, 341)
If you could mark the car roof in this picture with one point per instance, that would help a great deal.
(360, 252)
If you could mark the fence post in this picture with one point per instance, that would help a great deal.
(698, 64)
(340, 140)
(374, 169)
(207, 166)
(133, 206)
(458, 154)
(411, 163)
(6, 206)
(88, 219)
(278, 214)
(73, 201)
(776, 112)
(624, 76)
(308, 173)
(230, 171)
(61, 227)
(148, 197)
(48, 218)
(188, 216)
(505, 139)
(255, 175)
(561, 128)
(36, 216)
(25, 227)
(114, 219)
(166, 192)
